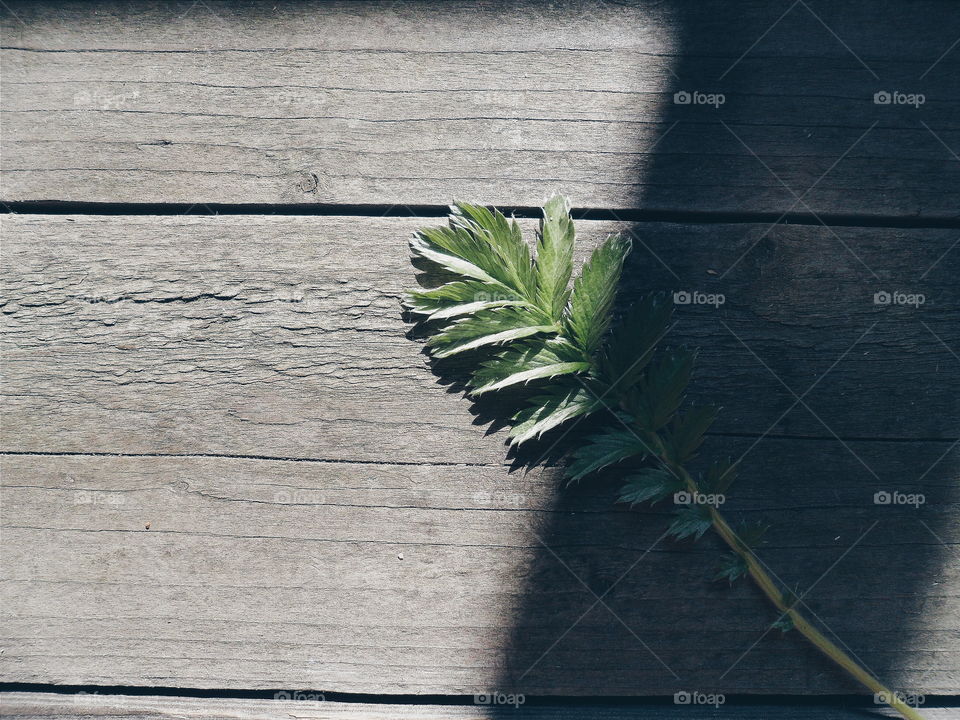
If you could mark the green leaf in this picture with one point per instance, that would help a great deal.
(549, 410)
(691, 521)
(519, 365)
(554, 263)
(720, 476)
(633, 340)
(591, 302)
(487, 327)
(458, 298)
(732, 567)
(784, 624)
(459, 252)
(504, 238)
(604, 448)
(649, 484)
(655, 400)
(751, 535)
(789, 599)
(686, 433)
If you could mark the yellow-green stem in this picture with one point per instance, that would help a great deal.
(769, 588)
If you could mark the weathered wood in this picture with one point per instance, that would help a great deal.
(378, 577)
(397, 554)
(417, 102)
(282, 336)
(51, 705)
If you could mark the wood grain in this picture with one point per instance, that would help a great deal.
(227, 466)
(50, 705)
(415, 103)
(282, 336)
(387, 578)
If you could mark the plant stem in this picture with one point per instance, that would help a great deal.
(769, 588)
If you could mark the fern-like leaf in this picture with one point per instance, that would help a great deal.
(525, 363)
(459, 252)
(487, 327)
(657, 397)
(632, 342)
(505, 241)
(591, 302)
(560, 339)
(720, 476)
(549, 410)
(686, 433)
(732, 567)
(691, 521)
(650, 485)
(604, 448)
(458, 298)
(554, 257)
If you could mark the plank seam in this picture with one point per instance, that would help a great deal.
(410, 699)
(693, 217)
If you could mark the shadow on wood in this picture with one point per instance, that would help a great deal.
(612, 608)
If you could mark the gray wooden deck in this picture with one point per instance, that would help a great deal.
(226, 463)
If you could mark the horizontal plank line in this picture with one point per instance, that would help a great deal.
(334, 461)
(229, 456)
(40, 207)
(567, 700)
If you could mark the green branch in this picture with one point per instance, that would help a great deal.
(534, 329)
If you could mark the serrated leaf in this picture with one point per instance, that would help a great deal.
(549, 410)
(633, 340)
(719, 476)
(751, 534)
(604, 448)
(784, 623)
(458, 298)
(591, 302)
(649, 485)
(458, 252)
(732, 567)
(686, 433)
(487, 327)
(691, 521)
(505, 239)
(554, 263)
(533, 361)
(656, 398)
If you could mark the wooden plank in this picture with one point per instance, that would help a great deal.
(52, 705)
(413, 103)
(282, 336)
(385, 578)
(393, 552)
